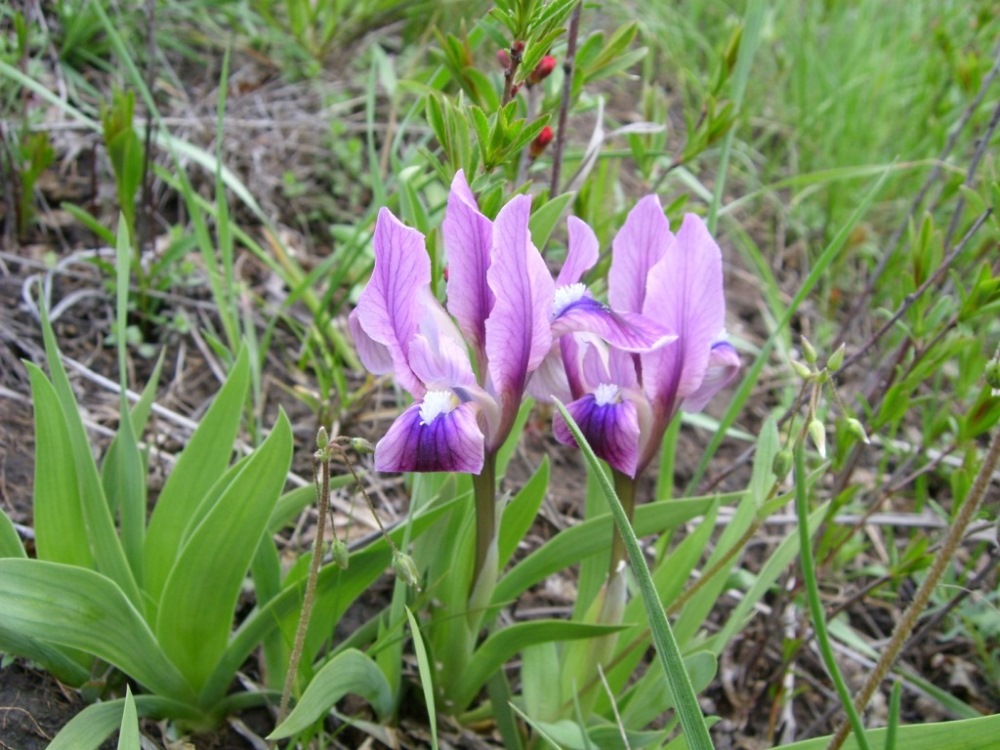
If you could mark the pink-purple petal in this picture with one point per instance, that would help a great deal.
(629, 331)
(583, 252)
(723, 367)
(611, 429)
(685, 295)
(640, 244)
(468, 238)
(387, 310)
(450, 442)
(443, 365)
(518, 330)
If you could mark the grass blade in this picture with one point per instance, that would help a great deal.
(692, 721)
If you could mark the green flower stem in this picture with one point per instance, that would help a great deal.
(815, 605)
(941, 561)
(323, 489)
(669, 653)
(484, 487)
(625, 489)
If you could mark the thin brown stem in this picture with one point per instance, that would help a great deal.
(909, 618)
(323, 490)
(569, 64)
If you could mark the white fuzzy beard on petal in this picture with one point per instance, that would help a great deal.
(607, 393)
(435, 404)
(567, 295)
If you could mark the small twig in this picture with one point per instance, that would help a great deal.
(977, 156)
(893, 243)
(909, 618)
(568, 67)
(913, 296)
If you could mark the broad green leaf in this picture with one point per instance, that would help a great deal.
(340, 586)
(538, 665)
(128, 734)
(60, 530)
(52, 658)
(347, 672)
(196, 609)
(494, 652)
(105, 546)
(762, 478)
(520, 513)
(94, 724)
(10, 541)
(199, 466)
(591, 536)
(968, 734)
(544, 220)
(79, 608)
(567, 734)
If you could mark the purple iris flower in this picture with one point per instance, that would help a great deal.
(624, 401)
(504, 308)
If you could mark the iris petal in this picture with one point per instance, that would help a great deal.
(610, 425)
(444, 441)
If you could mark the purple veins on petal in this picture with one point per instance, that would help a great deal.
(388, 311)
(610, 424)
(642, 242)
(468, 239)
(437, 434)
(518, 330)
(723, 367)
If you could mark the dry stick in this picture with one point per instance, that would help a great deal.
(913, 296)
(921, 194)
(909, 619)
(568, 66)
(970, 175)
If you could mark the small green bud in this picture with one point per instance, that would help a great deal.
(992, 375)
(801, 370)
(782, 464)
(406, 569)
(808, 351)
(857, 429)
(836, 359)
(360, 445)
(341, 555)
(818, 434)
(322, 438)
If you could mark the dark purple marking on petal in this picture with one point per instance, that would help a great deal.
(452, 441)
(611, 429)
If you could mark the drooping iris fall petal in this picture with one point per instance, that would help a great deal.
(609, 422)
(437, 434)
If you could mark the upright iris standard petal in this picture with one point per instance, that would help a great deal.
(582, 254)
(643, 241)
(388, 313)
(688, 300)
(610, 424)
(518, 330)
(468, 238)
(437, 434)
(723, 367)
